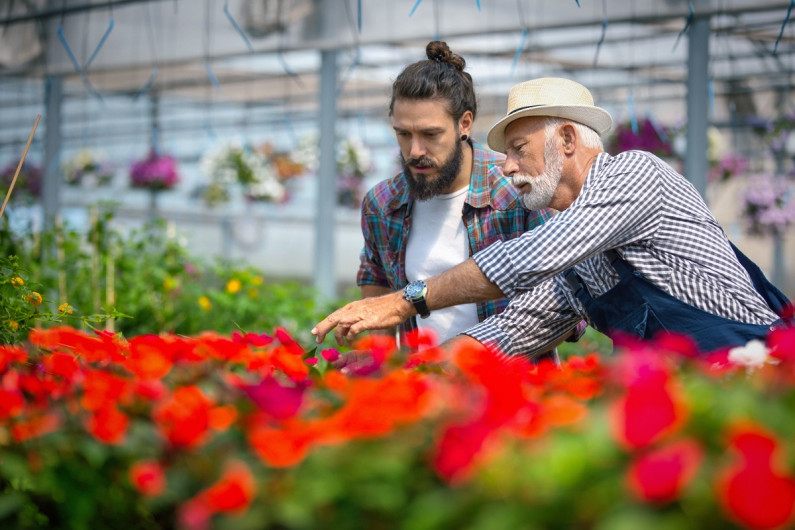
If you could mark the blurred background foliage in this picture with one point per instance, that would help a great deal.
(149, 279)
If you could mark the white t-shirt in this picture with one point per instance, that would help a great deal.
(438, 241)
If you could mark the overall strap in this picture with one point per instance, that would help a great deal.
(578, 287)
(776, 300)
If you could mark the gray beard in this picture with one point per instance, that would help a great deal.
(542, 187)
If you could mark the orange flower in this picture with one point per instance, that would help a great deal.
(34, 298)
(34, 426)
(148, 478)
(184, 418)
(148, 358)
(282, 447)
(221, 418)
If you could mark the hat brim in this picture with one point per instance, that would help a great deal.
(594, 117)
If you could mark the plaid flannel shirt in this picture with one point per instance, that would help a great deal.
(492, 212)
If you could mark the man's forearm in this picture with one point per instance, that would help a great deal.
(463, 284)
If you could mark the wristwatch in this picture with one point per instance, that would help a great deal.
(415, 293)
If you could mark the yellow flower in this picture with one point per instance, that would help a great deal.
(205, 303)
(65, 308)
(17, 281)
(256, 280)
(234, 285)
(169, 283)
(13, 324)
(34, 298)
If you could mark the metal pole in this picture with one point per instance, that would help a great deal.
(697, 104)
(50, 190)
(327, 177)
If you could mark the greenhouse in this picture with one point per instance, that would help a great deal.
(185, 188)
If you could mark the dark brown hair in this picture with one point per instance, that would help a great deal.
(440, 76)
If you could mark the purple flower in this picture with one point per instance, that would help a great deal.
(29, 179)
(767, 206)
(155, 172)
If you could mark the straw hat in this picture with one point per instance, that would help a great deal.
(550, 96)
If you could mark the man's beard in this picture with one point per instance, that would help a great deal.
(542, 187)
(423, 187)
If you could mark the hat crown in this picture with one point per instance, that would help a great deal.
(548, 91)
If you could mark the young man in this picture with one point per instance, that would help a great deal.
(451, 199)
(634, 248)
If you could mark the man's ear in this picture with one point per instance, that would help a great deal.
(568, 138)
(465, 123)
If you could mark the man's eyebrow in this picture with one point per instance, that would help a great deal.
(426, 130)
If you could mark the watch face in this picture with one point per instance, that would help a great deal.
(415, 289)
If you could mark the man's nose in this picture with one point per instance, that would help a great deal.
(417, 149)
(510, 167)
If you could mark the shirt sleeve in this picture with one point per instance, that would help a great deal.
(371, 270)
(533, 321)
(619, 205)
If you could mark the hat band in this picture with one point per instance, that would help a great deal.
(525, 108)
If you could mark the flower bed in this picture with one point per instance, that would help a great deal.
(253, 431)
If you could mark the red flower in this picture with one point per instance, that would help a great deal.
(148, 478)
(233, 492)
(659, 475)
(651, 406)
(751, 490)
(11, 354)
(62, 364)
(275, 399)
(108, 424)
(11, 403)
(184, 419)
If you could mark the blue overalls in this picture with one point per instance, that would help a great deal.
(637, 307)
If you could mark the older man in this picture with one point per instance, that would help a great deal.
(634, 250)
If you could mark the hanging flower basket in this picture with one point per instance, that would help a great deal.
(768, 208)
(231, 165)
(28, 183)
(88, 169)
(156, 172)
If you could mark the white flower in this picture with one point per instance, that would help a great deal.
(753, 355)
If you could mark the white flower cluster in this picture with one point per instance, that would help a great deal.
(352, 155)
(229, 164)
(753, 355)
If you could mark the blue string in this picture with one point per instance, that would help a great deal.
(101, 43)
(578, 2)
(478, 3)
(786, 19)
(147, 85)
(350, 69)
(76, 65)
(519, 50)
(211, 75)
(633, 118)
(413, 9)
(657, 128)
(359, 15)
(601, 40)
(687, 26)
(287, 68)
(237, 26)
(711, 92)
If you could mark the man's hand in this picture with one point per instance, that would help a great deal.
(379, 312)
